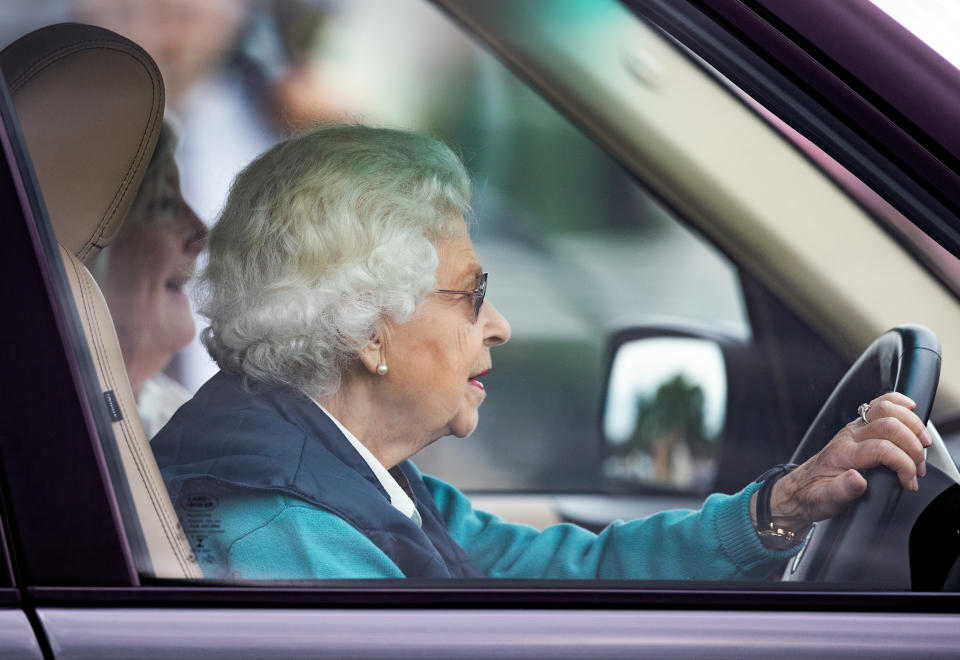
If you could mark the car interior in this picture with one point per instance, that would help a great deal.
(89, 164)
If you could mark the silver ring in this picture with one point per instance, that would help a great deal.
(862, 411)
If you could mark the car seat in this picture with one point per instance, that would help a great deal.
(90, 104)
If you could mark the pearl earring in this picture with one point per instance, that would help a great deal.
(381, 369)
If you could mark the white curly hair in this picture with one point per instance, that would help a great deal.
(322, 238)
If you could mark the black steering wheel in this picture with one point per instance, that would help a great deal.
(868, 543)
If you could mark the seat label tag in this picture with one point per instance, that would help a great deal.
(113, 406)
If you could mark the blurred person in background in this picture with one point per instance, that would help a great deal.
(238, 69)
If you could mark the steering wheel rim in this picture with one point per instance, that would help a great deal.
(844, 548)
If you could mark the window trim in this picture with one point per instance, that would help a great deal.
(71, 378)
(733, 37)
(539, 594)
(89, 546)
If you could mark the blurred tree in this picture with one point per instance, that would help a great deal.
(670, 429)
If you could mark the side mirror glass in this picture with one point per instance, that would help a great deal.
(664, 414)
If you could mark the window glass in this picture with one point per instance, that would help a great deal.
(645, 368)
(576, 249)
(931, 22)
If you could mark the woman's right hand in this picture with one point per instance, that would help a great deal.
(829, 481)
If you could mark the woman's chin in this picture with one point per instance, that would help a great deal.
(179, 330)
(464, 424)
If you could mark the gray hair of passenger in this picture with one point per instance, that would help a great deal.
(322, 238)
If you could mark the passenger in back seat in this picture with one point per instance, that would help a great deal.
(143, 274)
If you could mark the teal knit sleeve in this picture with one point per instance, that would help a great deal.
(718, 542)
(303, 542)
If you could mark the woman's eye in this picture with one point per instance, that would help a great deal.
(165, 204)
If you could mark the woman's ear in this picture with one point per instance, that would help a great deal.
(373, 354)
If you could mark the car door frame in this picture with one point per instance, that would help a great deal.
(71, 546)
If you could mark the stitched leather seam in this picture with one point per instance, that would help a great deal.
(129, 436)
(141, 57)
(100, 352)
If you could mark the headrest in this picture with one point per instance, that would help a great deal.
(90, 104)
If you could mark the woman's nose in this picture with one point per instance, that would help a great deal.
(496, 328)
(197, 236)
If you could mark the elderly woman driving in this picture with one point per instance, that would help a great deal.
(348, 316)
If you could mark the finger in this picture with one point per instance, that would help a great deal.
(897, 398)
(850, 484)
(887, 408)
(841, 490)
(847, 486)
(876, 452)
(892, 429)
(854, 482)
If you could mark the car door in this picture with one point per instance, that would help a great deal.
(73, 537)
(21, 634)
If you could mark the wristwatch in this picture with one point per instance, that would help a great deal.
(772, 534)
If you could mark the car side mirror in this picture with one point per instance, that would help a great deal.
(664, 412)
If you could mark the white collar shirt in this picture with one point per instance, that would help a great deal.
(398, 497)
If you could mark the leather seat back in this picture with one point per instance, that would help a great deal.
(90, 104)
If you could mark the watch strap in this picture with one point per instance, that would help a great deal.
(771, 534)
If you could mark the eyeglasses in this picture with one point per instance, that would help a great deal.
(478, 295)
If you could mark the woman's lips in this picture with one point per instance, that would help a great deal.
(476, 383)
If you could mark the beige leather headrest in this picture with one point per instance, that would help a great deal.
(90, 104)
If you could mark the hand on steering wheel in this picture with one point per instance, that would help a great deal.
(865, 538)
(830, 480)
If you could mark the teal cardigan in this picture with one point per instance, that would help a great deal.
(267, 487)
(276, 536)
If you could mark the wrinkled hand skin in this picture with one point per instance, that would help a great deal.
(827, 483)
